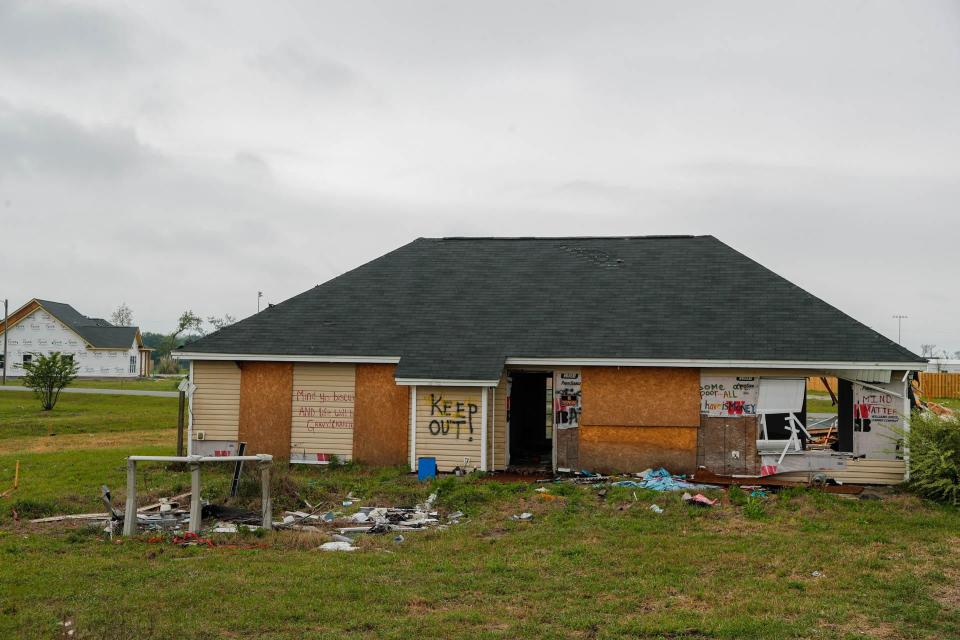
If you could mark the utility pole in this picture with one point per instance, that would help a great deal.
(6, 317)
(259, 295)
(899, 319)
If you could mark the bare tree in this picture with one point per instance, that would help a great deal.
(926, 350)
(219, 323)
(123, 316)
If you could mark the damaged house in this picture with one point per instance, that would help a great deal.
(607, 354)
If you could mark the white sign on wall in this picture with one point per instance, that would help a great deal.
(728, 395)
(877, 421)
(566, 399)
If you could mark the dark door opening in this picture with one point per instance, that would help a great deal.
(529, 444)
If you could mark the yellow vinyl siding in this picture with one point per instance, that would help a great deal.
(216, 400)
(323, 409)
(497, 431)
(860, 471)
(449, 442)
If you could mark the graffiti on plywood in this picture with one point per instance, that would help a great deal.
(728, 395)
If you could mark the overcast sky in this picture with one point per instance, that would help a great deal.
(186, 154)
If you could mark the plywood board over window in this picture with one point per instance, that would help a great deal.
(265, 407)
(382, 423)
(641, 396)
(449, 426)
(323, 412)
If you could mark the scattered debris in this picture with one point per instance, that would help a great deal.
(656, 508)
(525, 516)
(337, 545)
(699, 499)
(189, 539)
(660, 480)
(816, 574)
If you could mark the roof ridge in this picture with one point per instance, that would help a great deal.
(613, 237)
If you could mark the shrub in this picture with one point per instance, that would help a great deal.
(167, 365)
(935, 457)
(47, 375)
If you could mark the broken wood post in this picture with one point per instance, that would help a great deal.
(195, 506)
(130, 514)
(267, 506)
(180, 451)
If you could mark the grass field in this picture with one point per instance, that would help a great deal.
(21, 415)
(586, 566)
(139, 384)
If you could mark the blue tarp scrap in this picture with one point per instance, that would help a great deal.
(661, 480)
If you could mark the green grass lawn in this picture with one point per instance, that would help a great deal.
(820, 403)
(587, 566)
(952, 403)
(139, 384)
(21, 415)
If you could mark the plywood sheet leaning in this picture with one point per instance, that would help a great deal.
(215, 405)
(323, 402)
(381, 425)
(449, 426)
(265, 407)
(641, 397)
(728, 445)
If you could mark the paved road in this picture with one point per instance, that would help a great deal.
(109, 392)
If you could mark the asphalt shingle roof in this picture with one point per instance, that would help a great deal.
(97, 331)
(455, 308)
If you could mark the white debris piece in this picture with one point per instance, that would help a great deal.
(337, 545)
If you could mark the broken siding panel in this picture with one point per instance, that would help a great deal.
(497, 429)
(215, 405)
(449, 426)
(323, 411)
(862, 471)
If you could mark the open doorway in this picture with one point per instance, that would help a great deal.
(530, 413)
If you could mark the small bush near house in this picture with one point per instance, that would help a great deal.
(167, 365)
(47, 375)
(935, 457)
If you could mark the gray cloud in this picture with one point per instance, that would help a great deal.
(49, 145)
(191, 154)
(294, 64)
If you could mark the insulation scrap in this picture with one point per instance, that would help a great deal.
(699, 499)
